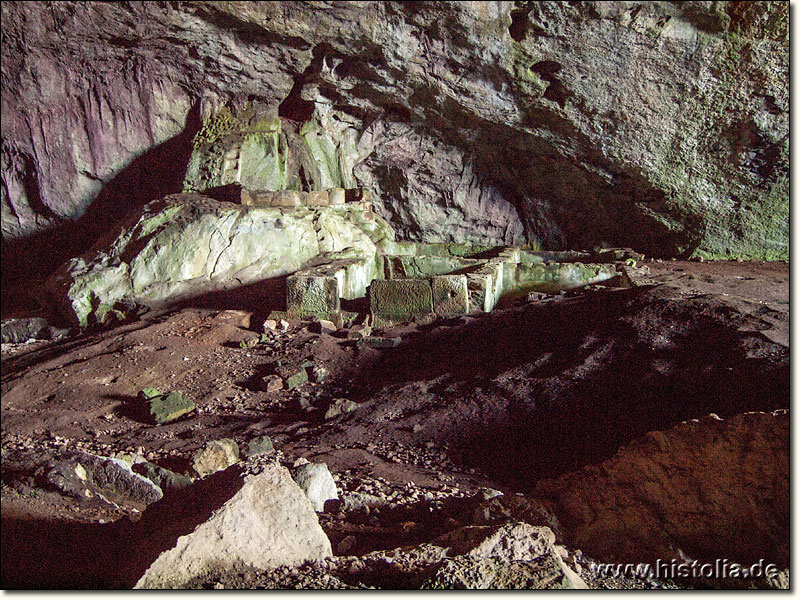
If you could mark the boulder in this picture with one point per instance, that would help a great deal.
(215, 456)
(164, 478)
(16, 331)
(268, 523)
(86, 476)
(666, 493)
(317, 482)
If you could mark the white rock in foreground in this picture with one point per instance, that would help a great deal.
(267, 524)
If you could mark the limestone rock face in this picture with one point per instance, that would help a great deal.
(660, 126)
(267, 524)
(710, 488)
(186, 245)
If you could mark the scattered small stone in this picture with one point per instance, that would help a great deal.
(319, 374)
(270, 325)
(272, 383)
(489, 493)
(250, 342)
(346, 545)
(284, 325)
(359, 332)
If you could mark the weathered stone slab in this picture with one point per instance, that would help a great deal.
(308, 295)
(287, 199)
(320, 198)
(613, 254)
(401, 298)
(480, 291)
(450, 295)
(253, 198)
(382, 343)
(554, 277)
(337, 196)
(397, 267)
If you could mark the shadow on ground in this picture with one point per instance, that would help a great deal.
(39, 554)
(531, 393)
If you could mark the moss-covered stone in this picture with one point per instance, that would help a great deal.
(165, 408)
(164, 478)
(260, 445)
(449, 295)
(296, 379)
(401, 298)
(308, 296)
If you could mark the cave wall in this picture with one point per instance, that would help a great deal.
(659, 125)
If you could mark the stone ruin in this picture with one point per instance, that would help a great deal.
(407, 281)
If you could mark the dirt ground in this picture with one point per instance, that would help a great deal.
(534, 390)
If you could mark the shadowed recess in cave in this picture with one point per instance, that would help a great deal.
(574, 379)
